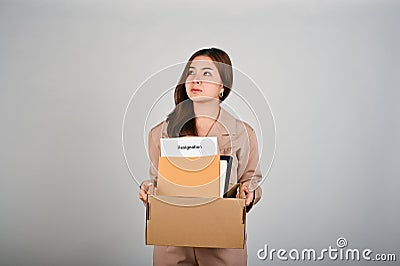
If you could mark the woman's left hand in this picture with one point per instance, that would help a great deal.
(249, 195)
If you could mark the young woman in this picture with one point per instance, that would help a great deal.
(205, 82)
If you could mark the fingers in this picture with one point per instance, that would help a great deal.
(250, 198)
(238, 192)
(143, 196)
(245, 190)
(143, 193)
(249, 195)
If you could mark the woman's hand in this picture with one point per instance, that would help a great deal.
(143, 192)
(249, 195)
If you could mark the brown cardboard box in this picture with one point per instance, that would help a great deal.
(195, 221)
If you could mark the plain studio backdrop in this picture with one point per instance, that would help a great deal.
(329, 69)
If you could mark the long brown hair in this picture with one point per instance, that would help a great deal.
(181, 121)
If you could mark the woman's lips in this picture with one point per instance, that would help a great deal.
(196, 90)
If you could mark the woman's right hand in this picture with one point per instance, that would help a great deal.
(143, 192)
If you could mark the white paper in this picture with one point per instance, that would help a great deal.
(189, 146)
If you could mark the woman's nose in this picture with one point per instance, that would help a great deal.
(196, 81)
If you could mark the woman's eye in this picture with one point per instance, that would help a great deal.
(191, 72)
(207, 73)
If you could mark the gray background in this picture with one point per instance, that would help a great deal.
(330, 70)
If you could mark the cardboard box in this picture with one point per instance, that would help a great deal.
(195, 221)
(186, 209)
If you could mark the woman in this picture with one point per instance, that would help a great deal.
(205, 82)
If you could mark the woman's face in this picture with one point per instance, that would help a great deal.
(203, 82)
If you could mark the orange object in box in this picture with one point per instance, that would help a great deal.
(191, 177)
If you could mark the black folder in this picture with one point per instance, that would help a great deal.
(229, 159)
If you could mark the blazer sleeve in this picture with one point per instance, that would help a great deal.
(249, 166)
(153, 153)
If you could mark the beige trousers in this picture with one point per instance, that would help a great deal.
(189, 256)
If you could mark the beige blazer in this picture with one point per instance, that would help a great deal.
(235, 138)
